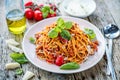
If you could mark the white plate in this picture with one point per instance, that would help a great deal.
(79, 8)
(29, 49)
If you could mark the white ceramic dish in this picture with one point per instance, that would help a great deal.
(29, 49)
(79, 8)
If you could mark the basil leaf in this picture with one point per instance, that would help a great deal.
(53, 33)
(45, 9)
(20, 58)
(62, 26)
(45, 14)
(68, 25)
(51, 11)
(69, 66)
(57, 29)
(32, 40)
(90, 33)
(19, 71)
(65, 34)
(60, 23)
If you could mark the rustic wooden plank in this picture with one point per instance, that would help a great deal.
(3, 28)
(103, 19)
(114, 9)
(100, 18)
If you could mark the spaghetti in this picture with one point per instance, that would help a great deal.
(77, 49)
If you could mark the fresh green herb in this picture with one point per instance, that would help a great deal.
(61, 28)
(45, 14)
(68, 25)
(32, 40)
(51, 11)
(45, 11)
(65, 34)
(52, 33)
(90, 33)
(57, 29)
(20, 58)
(60, 23)
(70, 66)
(19, 71)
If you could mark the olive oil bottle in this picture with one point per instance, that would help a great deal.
(17, 24)
(15, 16)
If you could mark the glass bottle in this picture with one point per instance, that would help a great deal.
(15, 16)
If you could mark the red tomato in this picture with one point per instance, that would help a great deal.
(50, 6)
(36, 8)
(53, 15)
(53, 7)
(63, 40)
(49, 15)
(29, 13)
(59, 61)
(50, 61)
(30, 3)
(38, 15)
(41, 5)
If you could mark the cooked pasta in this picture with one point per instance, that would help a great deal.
(77, 49)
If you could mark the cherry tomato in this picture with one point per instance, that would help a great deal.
(95, 47)
(30, 3)
(29, 13)
(50, 5)
(38, 15)
(50, 61)
(53, 15)
(53, 7)
(59, 61)
(63, 40)
(49, 15)
(41, 5)
(36, 8)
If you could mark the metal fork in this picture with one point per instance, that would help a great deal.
(110, 69)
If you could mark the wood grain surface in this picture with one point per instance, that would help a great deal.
(108, 11)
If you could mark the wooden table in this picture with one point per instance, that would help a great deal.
(108, 11)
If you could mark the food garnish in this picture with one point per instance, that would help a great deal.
(90, 33)
(32, 40)
(70, 66)
(20, 58)
(19, 71)
(62, 29)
